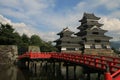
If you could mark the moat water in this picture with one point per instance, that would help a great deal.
(8, 72)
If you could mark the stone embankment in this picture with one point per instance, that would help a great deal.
(8, 54)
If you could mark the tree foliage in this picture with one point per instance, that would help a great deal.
(8, 36)
(25, 39)
(36, 40)
(48, 47)
(116, 51)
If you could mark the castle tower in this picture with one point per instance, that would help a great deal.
(94, 40)
(67, 42)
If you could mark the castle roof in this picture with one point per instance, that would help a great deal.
(89, 16)
(65, 30)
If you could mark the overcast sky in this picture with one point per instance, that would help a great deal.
(48, 17)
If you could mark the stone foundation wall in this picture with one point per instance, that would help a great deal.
(33, 49)
(8, 54)
(108, 52)
(72, 51)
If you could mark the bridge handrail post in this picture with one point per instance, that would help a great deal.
(91, 60)
(103, 61)
(111, 65)
(30, 54)
(96, 62)
(107, 74)
(84, 58)
(114, 61)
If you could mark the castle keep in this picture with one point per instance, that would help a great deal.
(90, 38)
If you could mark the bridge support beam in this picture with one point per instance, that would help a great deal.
(54, 68)
(99, 75)
(46, 66)
(22, 63)
(41, 64)
(31, 67)
(27, 64)
(67, 75)
(74, 72)
(88, 76)
(59, 67)
(35, 65)
(58, 70)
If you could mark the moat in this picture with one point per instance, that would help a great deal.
(12, 72)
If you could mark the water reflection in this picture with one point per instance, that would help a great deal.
(11, 72)
(8, 72)
(46, 73)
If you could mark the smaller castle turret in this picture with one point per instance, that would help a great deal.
(67, 42)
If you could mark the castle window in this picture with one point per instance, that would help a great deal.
(96, 33)
(76, 49)
(93, 46)
(63, 48)
(108, 46)
(68, 42)
(70, 49)
(87, 46)
(104, 46)
(97, 41)
(97, 46)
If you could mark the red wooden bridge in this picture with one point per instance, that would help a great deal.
(110, 65)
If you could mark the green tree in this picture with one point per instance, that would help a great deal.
(36, 40)
(48, 47)
(18, 39)
(25, 39)
(116, 51)
(8, 36)
(23, 47)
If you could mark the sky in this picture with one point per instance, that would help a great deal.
(46, 18)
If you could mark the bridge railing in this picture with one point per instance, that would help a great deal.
(92, 60)
(95, 61)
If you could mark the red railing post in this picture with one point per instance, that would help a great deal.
(107, 74)
(114, 61)
(30, 54)
(103, 62)
(111, 64)
(84, 58)
(96, 62)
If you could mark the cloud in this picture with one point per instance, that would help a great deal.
(111, 24)
(40, 17)
(48, 36)
(28, 29)
(24, 9)
(26, 13)
(110, 4)
(109, 8)
(113, 27)
(19, 27)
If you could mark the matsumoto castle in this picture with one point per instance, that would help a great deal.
(89, 40)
